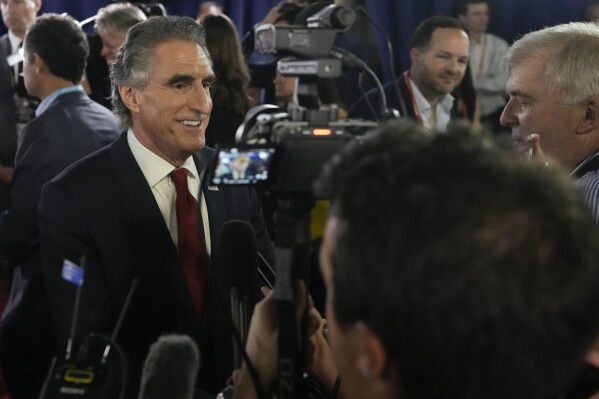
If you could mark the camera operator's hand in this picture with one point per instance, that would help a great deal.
(322, 365)
(274, 14)
(262, 344)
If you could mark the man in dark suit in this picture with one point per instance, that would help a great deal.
(439, 56)
(68, 126)
(17, 16)
(119, 208)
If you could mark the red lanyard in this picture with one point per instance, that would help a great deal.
(483, 55)
(406, 78)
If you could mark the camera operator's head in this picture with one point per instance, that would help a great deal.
(455, 271)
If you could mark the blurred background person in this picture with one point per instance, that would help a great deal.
(591, 13)
(439, 57)
(230, 90)
(486, 62)
(263, 66)
(67, 127)
(285, 87)
(112, 24)
(17, 107)
(208, 8)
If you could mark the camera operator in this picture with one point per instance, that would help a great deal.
(452, 271)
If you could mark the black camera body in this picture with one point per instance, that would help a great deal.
(287, 148)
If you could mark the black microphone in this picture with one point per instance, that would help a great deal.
(86, 377)
(236, 257)
(170, 368)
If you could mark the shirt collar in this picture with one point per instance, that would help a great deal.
(46, 102)
(15, 41)
(152, 166)
(586, 160)
(446, 101)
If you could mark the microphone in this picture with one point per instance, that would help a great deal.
(85, 377)
(170, 368)
(236, 256)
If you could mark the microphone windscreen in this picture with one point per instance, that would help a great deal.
(236, 253)
(170, 369)
(302, 16)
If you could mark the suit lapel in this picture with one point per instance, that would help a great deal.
(138, 200)
(141, 206)
(214, 199)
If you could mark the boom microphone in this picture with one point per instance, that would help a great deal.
(237, 259)
(170, 369)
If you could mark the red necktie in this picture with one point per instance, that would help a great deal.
(191, 239)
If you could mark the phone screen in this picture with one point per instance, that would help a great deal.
(242, 165)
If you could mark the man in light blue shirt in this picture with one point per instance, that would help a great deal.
(67, 127)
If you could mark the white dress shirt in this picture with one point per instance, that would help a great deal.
(444, 106)
(156, 171)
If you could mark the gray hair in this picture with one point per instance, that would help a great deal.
(118, 17)
(131, 66)
(572, 69)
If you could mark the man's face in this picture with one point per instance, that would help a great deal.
(29, 75)
(439, 68)
(18, 15)
(342, 340)
(534, 108)
(476, 18)
(111, 43)
(241, 163)
(170, 115)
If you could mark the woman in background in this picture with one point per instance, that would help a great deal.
(229, 92)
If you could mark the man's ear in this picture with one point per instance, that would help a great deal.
(129, 98)
(414, 55)
(372, 358)
(590, 121)
(39, 65)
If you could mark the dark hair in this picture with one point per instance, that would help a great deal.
(461, 7)
(479, 273)
(131, 65)
(424, 32)
(232, 73)
(288, 11)
(61, 43)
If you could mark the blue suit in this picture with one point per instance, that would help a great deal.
(72, 127)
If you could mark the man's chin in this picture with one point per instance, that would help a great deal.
(522, 147)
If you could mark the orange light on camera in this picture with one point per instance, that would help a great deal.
(321, 132)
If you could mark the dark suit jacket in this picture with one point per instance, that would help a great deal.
(103, 207)
(72, 127)
(8, 126)
(362, 110)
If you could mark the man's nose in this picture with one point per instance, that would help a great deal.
(200, 100)
(507, 116)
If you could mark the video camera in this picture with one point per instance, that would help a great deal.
(287, 148)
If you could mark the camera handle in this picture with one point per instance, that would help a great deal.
(292, 254)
